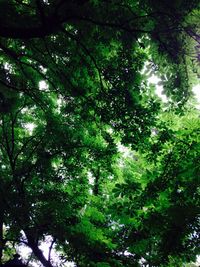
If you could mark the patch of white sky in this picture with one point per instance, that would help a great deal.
(45, 246)
(7, 66)
(159, 88)
(196, 91)
(91, 181)
(125, 151)
(43, 85)
(30, 126)
(43, 70)
(157, 82)
(46, 2)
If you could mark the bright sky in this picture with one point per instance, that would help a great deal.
(159, 90)
(196, 91)
(43, 86)
(24, 251)
(30, 127)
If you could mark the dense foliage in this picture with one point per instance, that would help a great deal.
(89, 154)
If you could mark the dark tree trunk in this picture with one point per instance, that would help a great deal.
(96, 182)
(37, 252)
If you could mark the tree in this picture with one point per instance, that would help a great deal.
(159, 196)
(71, 89)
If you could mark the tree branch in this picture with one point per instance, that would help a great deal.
(50, 249)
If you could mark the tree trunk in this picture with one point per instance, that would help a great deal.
(37, 252)
(96, 182)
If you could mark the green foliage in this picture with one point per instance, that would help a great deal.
(161, 217)
(73, 90)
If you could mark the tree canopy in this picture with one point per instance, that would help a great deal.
(90, 156)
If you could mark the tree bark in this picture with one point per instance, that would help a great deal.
(37, 252)
(96, 182)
